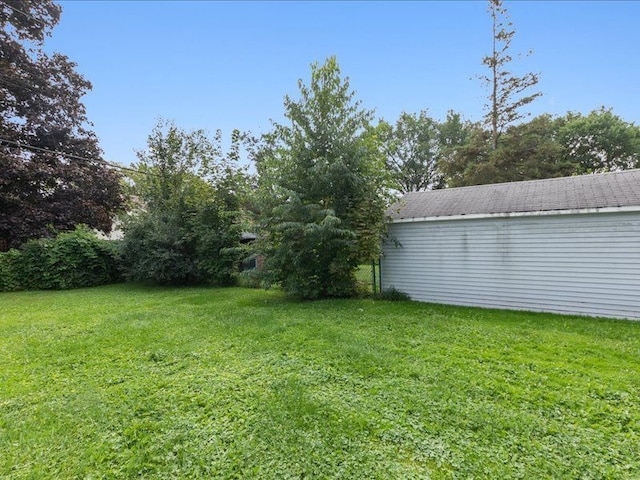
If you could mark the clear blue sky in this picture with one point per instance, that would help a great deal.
(228, 65)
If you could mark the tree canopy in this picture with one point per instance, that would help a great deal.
(52, 175)
(599, 141)
(416, 146)
(547, 147)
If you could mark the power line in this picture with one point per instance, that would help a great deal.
(22, 83)
(28, 15)
(69, 155)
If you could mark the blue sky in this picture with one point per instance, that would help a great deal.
(226, 65)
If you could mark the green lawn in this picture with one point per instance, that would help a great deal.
(134, 382)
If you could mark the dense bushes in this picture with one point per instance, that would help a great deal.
(9, 271)
(71, 260)
(200, 246)
(188, 229)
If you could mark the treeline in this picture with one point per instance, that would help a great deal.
(423, 153)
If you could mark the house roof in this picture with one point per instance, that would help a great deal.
(604, 190)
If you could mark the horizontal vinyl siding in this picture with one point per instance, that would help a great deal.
(585, 264)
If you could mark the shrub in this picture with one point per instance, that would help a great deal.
(197, 247)
(157, 250)
(9, 276)
(34, 265)
(250, 278)
(309, 252)
(80, 259)
(71, 260)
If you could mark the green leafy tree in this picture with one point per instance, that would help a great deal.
(188, 230)
(52, 176)
(411, 149)
(599, 142)
(507, 90)
(453, 133)
(322, 184)
(466, 165)
(416, 145)
(527, 151)
(547, 147)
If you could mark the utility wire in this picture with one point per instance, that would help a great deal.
(28, 15)
(71, 156)
(23, 83)
(32, 87)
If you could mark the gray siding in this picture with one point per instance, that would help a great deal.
(585, 264)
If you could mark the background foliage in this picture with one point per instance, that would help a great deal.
(546, 147)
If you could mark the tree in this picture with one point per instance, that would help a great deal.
(322, 183)
(416, 145)
(466, 165)
(527, 151)
(599, 142)
(506, 97)
(52, 176)
(411, 150)
(188, 230)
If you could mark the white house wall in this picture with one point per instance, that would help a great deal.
(584, 264)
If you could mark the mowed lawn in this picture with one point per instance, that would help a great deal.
(133, 382)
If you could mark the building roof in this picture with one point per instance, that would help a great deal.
(604, 190)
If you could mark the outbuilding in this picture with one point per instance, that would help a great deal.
(564, 245)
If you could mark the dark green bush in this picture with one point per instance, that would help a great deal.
(157, 250)
(309, 253)
(9, 276)
(71, 260)
(201, 246)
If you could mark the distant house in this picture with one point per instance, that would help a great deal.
(565, 245)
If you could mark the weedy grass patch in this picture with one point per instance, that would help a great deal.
(127, 381)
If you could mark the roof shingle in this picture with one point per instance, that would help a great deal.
(615, 189)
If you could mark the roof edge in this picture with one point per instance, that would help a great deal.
(538, 213)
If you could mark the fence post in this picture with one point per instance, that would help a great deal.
(373, 272)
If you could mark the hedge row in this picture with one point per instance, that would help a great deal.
(71, 260)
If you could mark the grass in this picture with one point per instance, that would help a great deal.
(126, 381)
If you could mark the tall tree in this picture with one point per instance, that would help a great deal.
(52, 176)
(507, 90)
(322, 181)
